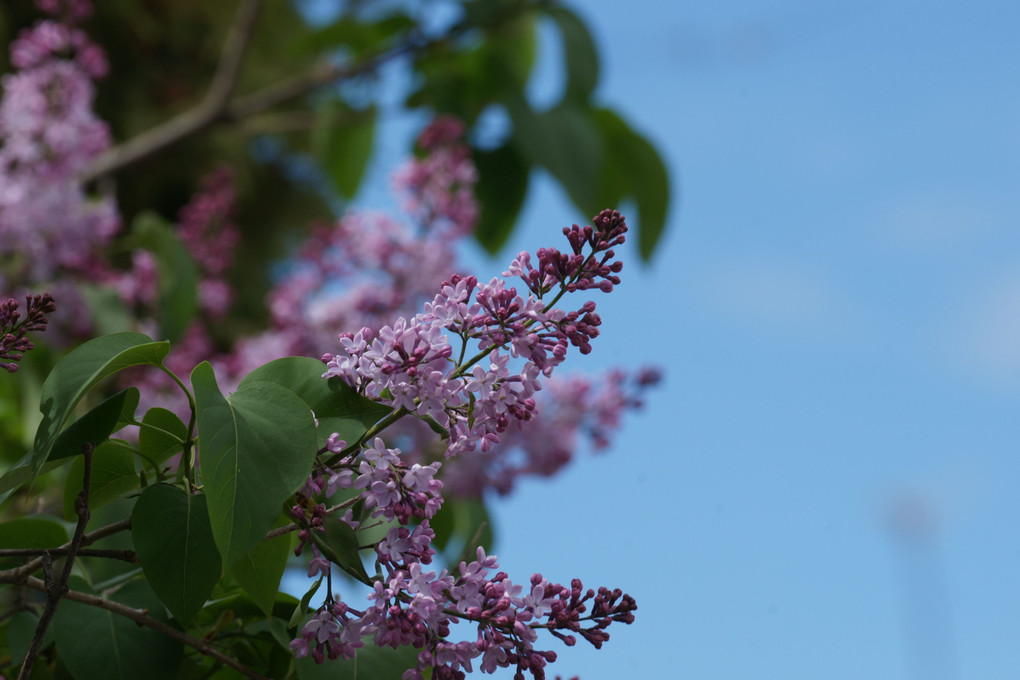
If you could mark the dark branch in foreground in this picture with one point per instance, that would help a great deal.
(19, 574)
(56, 588)
(142, 618)
(124, 555)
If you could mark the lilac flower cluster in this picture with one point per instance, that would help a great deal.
(368, 267)
(438, 188)
(390, 489)
(413, 607)
(14, 330)
(207, 229)
(572, 408)
(48, 135)
(410, 364)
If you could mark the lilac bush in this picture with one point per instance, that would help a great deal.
(220, 458)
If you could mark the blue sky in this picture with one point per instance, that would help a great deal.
(825, 488)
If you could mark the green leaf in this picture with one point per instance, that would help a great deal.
(175, 545)
(280, 631)
(260, 570)
(337, 407)
(302, 607)
(342, 140)
(343, 544)
(502, 186)
(178, 275)
(109, 315)
(20, 631)
(566, 142)
(371, 663)
(637, 171)
(113, 474)
(96, 426)
(162, 434)
(79, 372)
(96, 643)
(461, 525)
(509, 48)
(580, 53)
(241, 606)
(32, 532)
(361, 37)
(257, 448)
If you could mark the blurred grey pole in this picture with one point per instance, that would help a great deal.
(924, 602)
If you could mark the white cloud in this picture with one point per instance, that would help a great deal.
(985, 338)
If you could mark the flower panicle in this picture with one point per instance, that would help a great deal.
(14, 330)
(414, 365)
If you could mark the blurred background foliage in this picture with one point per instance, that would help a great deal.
(310, 96)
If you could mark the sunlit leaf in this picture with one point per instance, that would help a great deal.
(635, 170)
(337, 407)
(81, 370)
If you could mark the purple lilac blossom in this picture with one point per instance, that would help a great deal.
(48, 135)
(409, 365)
(14, 330)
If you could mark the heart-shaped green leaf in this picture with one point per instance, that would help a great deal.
(256, 448)
(175, 545)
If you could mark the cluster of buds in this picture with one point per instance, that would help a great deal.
(14, 330)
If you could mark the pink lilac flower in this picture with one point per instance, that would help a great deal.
(51, 229)
(48, 133)
(568, 411)
(409, 364)
(206, 227)
(439, 187)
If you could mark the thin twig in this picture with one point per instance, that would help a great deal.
(124, 555)
(13, 611)
(288, 528)
(55, 589)
(141, 617)
(234, 48)
(18, 574)
(211, 111)
(193, 120)
(320, 76)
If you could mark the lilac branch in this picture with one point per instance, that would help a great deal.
(194, 120)
(124, 555)
(217, 107)
(142, 618)
(19, 574)
(55, 589)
